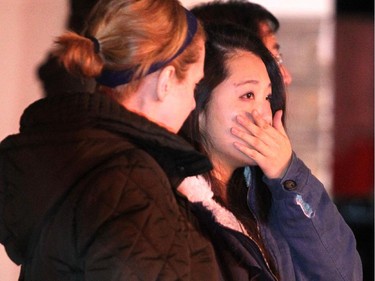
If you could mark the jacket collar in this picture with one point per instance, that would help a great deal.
(76, 110)
(198, 190)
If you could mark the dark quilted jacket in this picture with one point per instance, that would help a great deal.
(87, 193)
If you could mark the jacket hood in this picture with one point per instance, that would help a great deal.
(62, 138)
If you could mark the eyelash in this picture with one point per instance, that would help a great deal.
(248, 95)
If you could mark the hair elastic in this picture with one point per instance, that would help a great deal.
(96, 43)
(113, 78)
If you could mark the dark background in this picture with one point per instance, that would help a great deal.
(353, 177)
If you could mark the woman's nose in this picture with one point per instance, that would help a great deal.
(264, 109)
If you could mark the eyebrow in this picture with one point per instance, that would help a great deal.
(246, 82)
(249, 82)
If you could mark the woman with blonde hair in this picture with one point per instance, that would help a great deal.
(87, 188)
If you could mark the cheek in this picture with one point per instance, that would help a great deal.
(185, 101)
(224, 111)
(218, 125)
(183, 104)
(188, 96)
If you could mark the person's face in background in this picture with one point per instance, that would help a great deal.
(270, 41)
(245, 89)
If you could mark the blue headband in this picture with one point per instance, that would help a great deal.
(113, 78)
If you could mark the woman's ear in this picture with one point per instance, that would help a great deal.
(165, 82)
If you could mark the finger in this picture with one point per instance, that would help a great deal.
(258, 158)
(263, 146)
(247, 151)
(261, 136)
(245, 122)
(259, 120)
(252, 142)
(253, 128)
(277, 122)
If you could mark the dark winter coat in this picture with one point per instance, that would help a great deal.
(87, 192)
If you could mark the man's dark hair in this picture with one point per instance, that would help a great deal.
(240, 12)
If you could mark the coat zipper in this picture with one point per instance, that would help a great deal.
(257, 245)
(250, 187)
